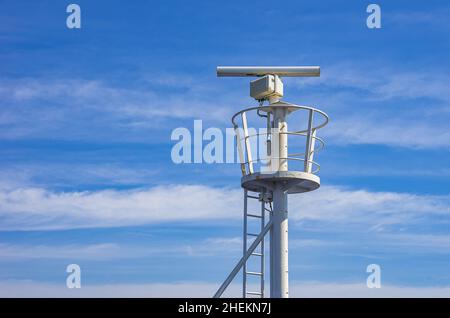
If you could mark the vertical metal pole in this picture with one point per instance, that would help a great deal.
(271, 256)
(279, 287)
(269, 141)
(279, 270)
(263, 223)
(244, 244)
(280, 124)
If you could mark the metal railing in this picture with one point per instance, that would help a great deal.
(247, 159)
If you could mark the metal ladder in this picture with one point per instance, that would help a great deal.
(259, 252)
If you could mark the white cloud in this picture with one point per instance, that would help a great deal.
(428, 243)
(81, 252)
(37, 208)
(336, 204)
(371, 104)
(212, 246)
(355, 290)
(384, 82)
(107, 251)
(55, 174)
(424, 18)
(99, 96)
(203, 289)
(75, 108)
(417, 134)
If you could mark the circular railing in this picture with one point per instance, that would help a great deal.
(245, 136)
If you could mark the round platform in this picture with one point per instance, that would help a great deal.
(293, 181)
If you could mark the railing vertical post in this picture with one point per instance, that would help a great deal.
(311, 155)
(309, 138)
(240, 150)
(248, 150)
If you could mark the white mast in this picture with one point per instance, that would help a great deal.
(273, 181)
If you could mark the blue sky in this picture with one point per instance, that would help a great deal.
(86, 117)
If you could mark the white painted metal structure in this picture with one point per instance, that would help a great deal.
(268, 178)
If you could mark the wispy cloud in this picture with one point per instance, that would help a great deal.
(385, 82)
(37, 208)
(437, 20)
(360, 290)
(80, 252)
(428, 243)
(383, 105)
(205, 247)
(206, 289)
(55, 174)
(115, 251)
(66, 108)
(376, 208)
(417, 133)
(407, 108)
(29, 208)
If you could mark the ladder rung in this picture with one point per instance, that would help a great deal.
(254, 293)
(252, 234)
(254, 273)
(257, 254)
(252, 196)
(254, 215)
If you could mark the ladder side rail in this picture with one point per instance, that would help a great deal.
(244, 248)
